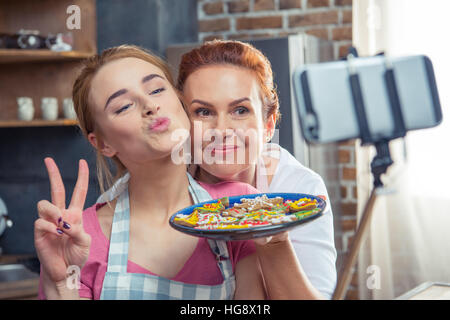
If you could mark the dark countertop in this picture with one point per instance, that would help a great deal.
(14, 258)
(23, 289)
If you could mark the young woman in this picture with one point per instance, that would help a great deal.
(232, 103)
(128, 110)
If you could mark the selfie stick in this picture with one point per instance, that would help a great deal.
(379, 165)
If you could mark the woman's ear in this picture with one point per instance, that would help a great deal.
(270, 127)
(103, 147)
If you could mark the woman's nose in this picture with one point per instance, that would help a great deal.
(224, 127)
(150, 109)
(223, 123)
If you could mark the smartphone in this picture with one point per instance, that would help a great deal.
(326, 105)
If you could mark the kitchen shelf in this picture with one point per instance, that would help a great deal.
(38, 123)
(41, 72)
(38, 55)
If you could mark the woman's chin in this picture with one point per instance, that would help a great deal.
(227, 172)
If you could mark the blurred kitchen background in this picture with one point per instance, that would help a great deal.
(289, 32)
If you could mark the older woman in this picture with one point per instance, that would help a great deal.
(230, 95)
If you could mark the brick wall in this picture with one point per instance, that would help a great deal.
(251, 19)
(347, 175)
(326, 19)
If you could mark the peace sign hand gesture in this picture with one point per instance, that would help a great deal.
(59, 237)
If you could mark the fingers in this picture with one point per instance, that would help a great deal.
(43, 227)
(81, 187)
(58, 192)
(50, 221)
(262, 241)
(49, 212)
(77, 234)
(322, 197)
(276, 238)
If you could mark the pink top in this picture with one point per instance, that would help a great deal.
(200, 268)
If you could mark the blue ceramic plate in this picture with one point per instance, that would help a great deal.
(248, 233)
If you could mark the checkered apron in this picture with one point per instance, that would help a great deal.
(118, 284)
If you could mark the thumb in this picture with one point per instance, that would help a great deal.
(262, 241)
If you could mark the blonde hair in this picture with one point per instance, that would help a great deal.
(80, 96)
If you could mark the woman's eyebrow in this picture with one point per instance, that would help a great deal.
(235, 102)
(123, 91)
(115, 95)
(150, 77)
(201, 102)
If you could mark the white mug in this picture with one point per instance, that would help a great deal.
(25, 110)
(49, 108)
(68, 109)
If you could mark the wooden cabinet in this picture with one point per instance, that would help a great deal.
(42, 73)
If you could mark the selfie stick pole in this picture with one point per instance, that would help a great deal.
(379, 164)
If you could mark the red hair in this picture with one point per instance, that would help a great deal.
(238, 54)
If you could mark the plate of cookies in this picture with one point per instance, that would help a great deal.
(248, 216)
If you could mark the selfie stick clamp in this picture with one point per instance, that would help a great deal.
(380, 163)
